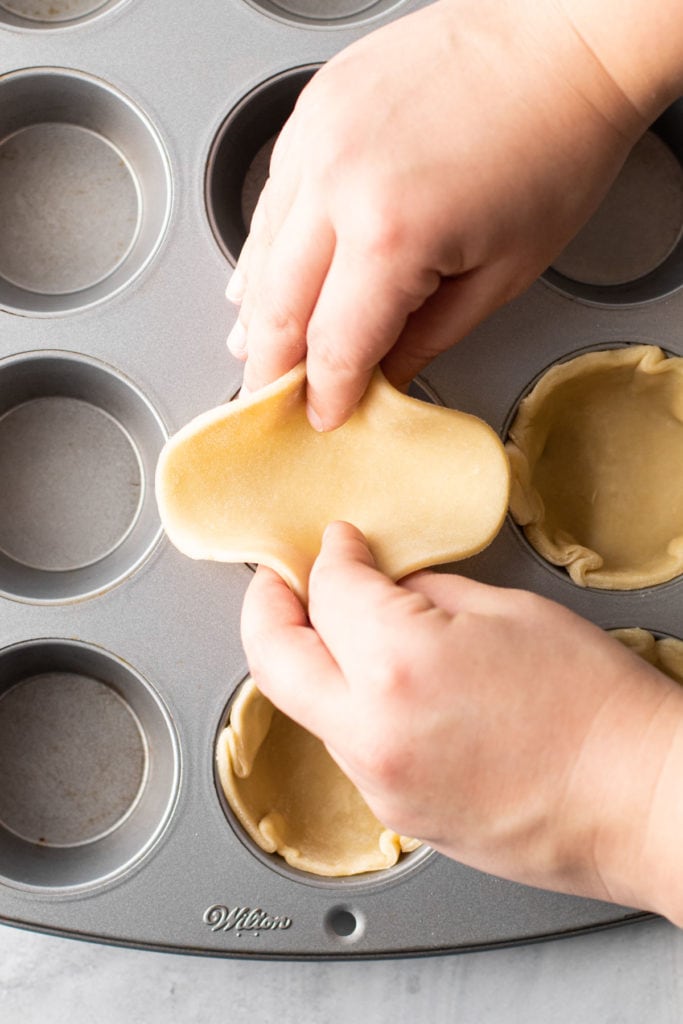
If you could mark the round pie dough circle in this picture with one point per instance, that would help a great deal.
(595, 450)
(291, 797)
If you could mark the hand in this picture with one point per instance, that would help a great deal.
(428, 174)
(493, 724)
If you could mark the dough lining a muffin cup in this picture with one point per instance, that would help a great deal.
(664, 653)
(595, 450)
(292, 799)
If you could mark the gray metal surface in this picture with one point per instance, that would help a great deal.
(112, 328)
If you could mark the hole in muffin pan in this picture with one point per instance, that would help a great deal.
(406, 864)
(631, 250)
(78, 448)
(85, 191)
(237, 166)
(325, 13)
(82, 797)
(345, 924)
(41, 14)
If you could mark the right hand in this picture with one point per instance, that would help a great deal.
(496, 725)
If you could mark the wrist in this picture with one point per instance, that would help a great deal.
(659, 882)
(582, 59)
(639, 45)
(639, 835)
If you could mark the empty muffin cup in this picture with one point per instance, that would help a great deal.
(594, 451)
(85, 191)
(40, 14)
(288, 798)
(89, 763)
(631, 249)
(237, 166)
(325, 12)
(78, 448)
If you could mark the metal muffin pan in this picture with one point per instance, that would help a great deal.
(132, 145)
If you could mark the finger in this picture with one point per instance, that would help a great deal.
(237, 282)
(361, 310)
(358, 612)
(447, 316)
(287, 660)
(235, 292)
(272, 208)
(256, 248)
(289, 282)
(287, 147)
(454, 593)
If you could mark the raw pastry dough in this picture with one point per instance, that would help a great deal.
(665, 654)
(252, 481)
(595, 451)
(292, 799)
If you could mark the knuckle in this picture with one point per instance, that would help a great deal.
(385, 232)
(381, 760)
(329, 350)
(372, 219)
(390, 677)
(275, 321)
(283, 320)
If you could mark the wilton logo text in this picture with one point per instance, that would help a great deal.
(243, 919)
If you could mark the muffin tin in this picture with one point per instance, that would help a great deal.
(133, 141)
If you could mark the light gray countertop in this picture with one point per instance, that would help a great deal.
(627, 974)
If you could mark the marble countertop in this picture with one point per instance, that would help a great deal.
(621, 976)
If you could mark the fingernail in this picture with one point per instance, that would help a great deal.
(237, 339)
(314, 419)
(235, 289)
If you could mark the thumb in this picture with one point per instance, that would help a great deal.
(357, 611)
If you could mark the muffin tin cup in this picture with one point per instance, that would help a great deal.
(237, 166)
(342, 885)
(326, 13)
(639, 241)
(76, 812)
(51, 14)
(85, 191)
(78, 448)
(557, 569)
